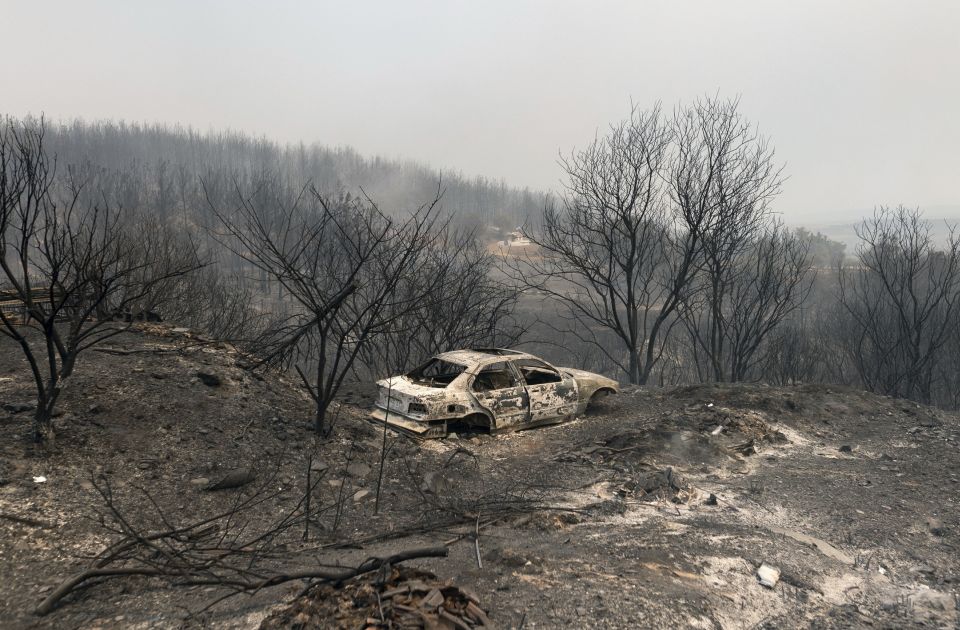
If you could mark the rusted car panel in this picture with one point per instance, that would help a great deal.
(495, 390)
(589, 384)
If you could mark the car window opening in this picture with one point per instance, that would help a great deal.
(537, 373)
(493, 377)
(436, 373)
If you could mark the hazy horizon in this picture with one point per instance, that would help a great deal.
(860, 98)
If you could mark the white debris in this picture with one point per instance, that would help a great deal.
(360, 494)
(40, 479)
(768, 576)
(717, 430)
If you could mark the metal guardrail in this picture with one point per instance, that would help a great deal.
(12, 302)
(12, 296)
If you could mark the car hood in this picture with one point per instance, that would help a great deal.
(583, 377)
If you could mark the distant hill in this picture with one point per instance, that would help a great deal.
(938, 217)
(166, 160)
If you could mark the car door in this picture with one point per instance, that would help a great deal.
(551, 393)
(499, 389)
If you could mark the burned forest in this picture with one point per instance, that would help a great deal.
(254, 377)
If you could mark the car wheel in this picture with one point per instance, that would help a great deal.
(597, 402)
(472, 424)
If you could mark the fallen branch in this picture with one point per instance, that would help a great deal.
(241, 585)
(122, 352)
(64, 589)
(26, 520)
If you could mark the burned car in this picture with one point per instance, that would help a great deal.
(489, 389)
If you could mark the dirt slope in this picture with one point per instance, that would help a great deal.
(606, 521)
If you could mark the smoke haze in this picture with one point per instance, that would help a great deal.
(859, 97)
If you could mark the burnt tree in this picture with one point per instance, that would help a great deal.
(723, 181)
(72, 268)
(900, 303)
(734, 307)
(456, 301)
(608, 253)
(649, 208)
(339, 263)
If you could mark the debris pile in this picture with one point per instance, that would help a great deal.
(622, 442)
(736, 424)
(547, 520)
(409, 599)
(659, 485)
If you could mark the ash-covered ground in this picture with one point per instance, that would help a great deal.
(656, 511)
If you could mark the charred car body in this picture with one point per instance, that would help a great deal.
(488, 389)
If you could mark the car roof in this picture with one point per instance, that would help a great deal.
(480, 356)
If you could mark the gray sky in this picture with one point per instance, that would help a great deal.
(861, 98)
